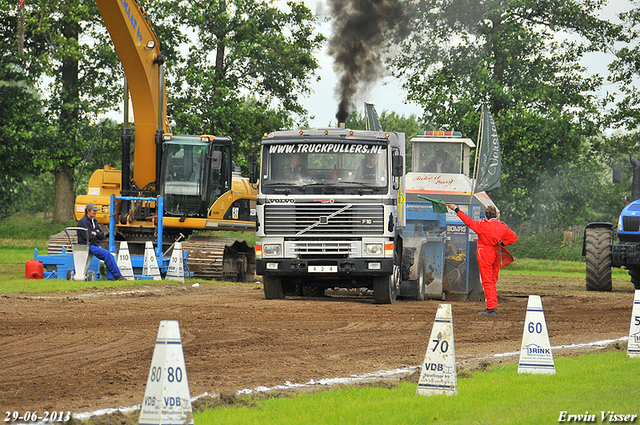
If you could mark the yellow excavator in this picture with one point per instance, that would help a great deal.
(195, 175)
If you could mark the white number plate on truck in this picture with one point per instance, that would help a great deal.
(323, 269)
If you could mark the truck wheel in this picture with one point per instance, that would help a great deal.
(634, 272)
(384, 291)
(420, 282)
(598, 258)
(385, 288)
(273, 288)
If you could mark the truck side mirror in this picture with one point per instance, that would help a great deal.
(617, 175)
(253, 169)
(397, 166)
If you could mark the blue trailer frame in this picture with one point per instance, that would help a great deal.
(57, 266)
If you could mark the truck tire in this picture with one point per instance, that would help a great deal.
(273, 288)
(598, 258)
(420, 282)
(384, 291)
(385, 288)
(290, 288)
(634, 272)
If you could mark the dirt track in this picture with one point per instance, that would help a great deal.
(93, 350)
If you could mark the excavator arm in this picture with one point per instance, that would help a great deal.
(138, 48)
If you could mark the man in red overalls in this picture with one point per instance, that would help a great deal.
(491, 234)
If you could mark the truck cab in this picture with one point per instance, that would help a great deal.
(328, 213)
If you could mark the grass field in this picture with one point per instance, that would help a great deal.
(607, 382)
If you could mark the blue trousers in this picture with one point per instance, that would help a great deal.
(112, 267)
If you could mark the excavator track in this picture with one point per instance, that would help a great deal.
(227, 259)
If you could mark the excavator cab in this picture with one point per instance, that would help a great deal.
(196, 170)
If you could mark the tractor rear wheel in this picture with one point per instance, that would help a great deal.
(598, 258)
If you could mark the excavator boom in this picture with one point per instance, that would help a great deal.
(138, 48)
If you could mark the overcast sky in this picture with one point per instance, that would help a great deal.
(388, 94)
(323, 104)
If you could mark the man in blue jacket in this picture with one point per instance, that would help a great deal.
(95, 236)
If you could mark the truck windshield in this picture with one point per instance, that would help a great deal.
(319, 167)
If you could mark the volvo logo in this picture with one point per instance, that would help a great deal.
(280, 201)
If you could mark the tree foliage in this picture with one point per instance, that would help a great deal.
(248, 62)
(522, 59)
(624, 72)
(60, 46)
(22, 120)
(22, 125)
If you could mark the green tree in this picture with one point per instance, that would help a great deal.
(512, 57)
(22, 124)
(409, 125)
(624, 73)
(22, 119)
(245, 57)
(64, 44)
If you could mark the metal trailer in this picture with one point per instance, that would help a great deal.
(423, 241)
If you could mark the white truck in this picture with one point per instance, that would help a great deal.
(335, 209)
(336, 221)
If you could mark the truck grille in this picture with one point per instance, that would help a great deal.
(631, 224)
(321, 248)
(323, 219)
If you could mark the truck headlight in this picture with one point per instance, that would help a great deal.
(373, 249)
(271, 250)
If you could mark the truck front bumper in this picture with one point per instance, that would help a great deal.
(325, 268)
(625, 254)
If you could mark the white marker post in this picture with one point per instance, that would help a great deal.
(439, 374)
(150, 265)
(166, 398)
(124, 261)
(535, 351)
(176, 268)
(633, 346)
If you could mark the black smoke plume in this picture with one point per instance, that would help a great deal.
(362, 31)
